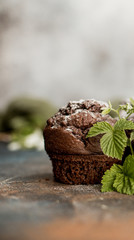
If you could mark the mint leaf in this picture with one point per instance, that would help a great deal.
(99, 128)
(120, 182)
(124, 184)
(106, 111)
(128, 166)
(114, 139)
(113, 143)
(109, 177)
(120, 178)
(124, 124)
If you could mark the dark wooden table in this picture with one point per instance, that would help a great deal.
(34, 207)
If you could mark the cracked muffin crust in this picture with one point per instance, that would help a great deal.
(66, 131)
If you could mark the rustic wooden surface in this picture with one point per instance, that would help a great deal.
(33, 206)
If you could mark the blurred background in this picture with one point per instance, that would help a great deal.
(58, 51)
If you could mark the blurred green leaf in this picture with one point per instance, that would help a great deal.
(24, 116)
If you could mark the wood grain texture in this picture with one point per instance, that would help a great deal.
(31, 203)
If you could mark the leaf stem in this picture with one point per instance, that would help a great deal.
(132, 151)
(116, 111)
(128, 115)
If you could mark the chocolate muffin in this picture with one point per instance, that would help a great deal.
(75, 158)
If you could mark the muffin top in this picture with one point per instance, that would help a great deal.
(66, 131)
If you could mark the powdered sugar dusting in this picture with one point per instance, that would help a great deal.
(93, 115)
(76, 102)
(67, 117)
(102, 103)
(78, 111)
(55, 126)
(71, 125)
(69, 129)
(79, 114)
(92, 101)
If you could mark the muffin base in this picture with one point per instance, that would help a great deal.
(80, 169)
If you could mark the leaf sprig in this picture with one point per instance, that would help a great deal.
(114, 139)
(113, 142)
(128, 108)
(120, 178)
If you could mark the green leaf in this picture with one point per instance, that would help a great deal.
(128, 166)
(99, 128)
(123, 107)
(132, 101)
(106, 111)
(132, 136)
(128, 142)
(109, 177)
(130, 111)
(124, 184)
(110, 105)
(124, 124)
(113, 143)
(120, 178)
